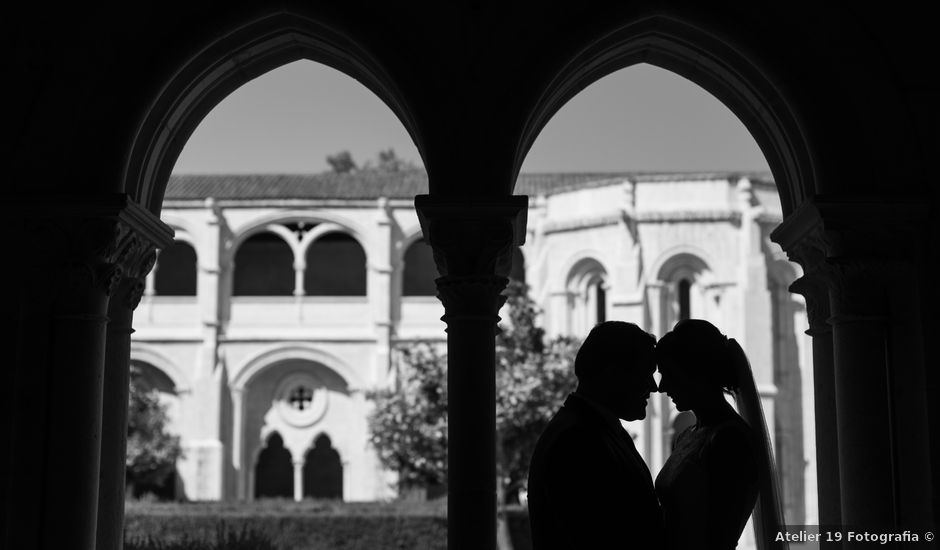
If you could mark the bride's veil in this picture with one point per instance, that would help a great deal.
(768, 518)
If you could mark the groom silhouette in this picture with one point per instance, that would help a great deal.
(588, 486)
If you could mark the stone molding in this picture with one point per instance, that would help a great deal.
(582, 223)
(106, 243)
(654, 216)
(666, 216)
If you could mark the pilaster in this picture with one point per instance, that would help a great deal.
(380, 291)
(210, 433)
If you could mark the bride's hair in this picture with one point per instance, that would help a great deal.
(701, 352)
(768, 518)
(704, 353)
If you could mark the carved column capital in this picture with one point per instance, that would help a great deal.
(815, 291)
(852, 252)
(131, 288)
(828, 227)
(858, 288)
(471, 298)
(473, 238)
(472, 245)
(104, 243)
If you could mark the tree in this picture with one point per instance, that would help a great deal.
(342, 162)
(389, 161)
(532, 379)
(151, 451)
(386, 161)
(409, 422)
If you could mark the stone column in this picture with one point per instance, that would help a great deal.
(472, 244)
(860, 376)
(298, 480)
(88, 246)
(238, 453)
(869, 376)
(882, 452)
(114, 409)
(814, 287)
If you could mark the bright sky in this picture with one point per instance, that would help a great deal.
(640, 118)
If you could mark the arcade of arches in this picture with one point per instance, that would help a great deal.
(651, 248)
(841, 99)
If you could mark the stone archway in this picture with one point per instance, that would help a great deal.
(234, 58)
(297, 392)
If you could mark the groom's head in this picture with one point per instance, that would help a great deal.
(615, 366)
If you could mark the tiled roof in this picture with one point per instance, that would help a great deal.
(373, 184)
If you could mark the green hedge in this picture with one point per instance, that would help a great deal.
(308, 525)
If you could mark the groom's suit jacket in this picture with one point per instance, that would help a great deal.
(588, 486)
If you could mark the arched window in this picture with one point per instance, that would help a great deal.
(175, 272)
(420, 271)
(587, 296)
(684, 288)
(323, 470)
(264, 266)
(274, 473)
(336, 266)
(685, 281)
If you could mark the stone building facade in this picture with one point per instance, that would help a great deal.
(284, 296)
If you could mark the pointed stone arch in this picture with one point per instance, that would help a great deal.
(246, 50)
(703, 58)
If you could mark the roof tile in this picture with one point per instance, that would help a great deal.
(406, 184)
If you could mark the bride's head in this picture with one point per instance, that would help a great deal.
(696, 364)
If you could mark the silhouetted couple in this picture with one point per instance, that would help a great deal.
(588, 486)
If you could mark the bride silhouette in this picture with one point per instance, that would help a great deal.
(720, 466)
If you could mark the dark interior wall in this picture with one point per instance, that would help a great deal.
(82, 74)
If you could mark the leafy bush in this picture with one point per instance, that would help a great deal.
(286, 525)
(408, 425)
(224, 540)
(151, 451)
